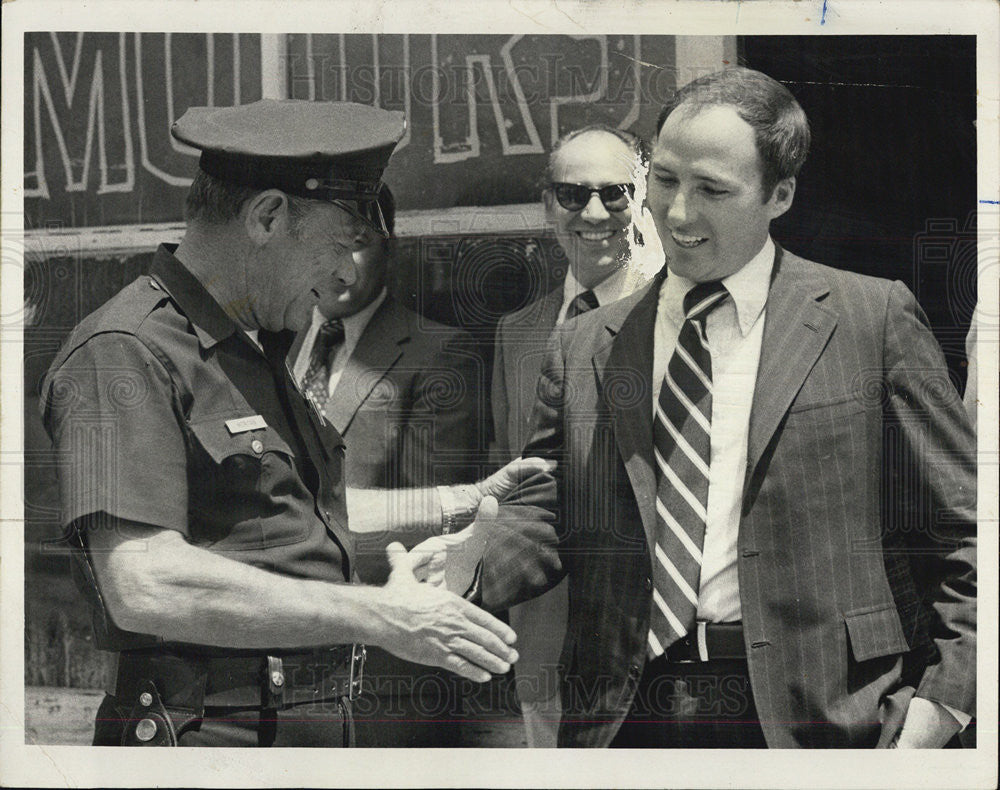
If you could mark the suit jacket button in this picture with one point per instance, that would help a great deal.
(634, 671)
(647, 583)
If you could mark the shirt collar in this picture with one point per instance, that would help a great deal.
(748, 288)
(210, 323)
(607, 290)
(354, 325)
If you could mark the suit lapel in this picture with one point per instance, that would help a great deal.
(543, 322)
(295, 350)
(630, 352)
(796, 330)
(379, 348)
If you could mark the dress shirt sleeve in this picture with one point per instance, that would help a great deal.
(962, 718)
(110, 412)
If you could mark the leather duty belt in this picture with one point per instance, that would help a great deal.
(276, 681)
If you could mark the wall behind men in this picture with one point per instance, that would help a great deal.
(889, 188)
(482, 110)
(104, 183)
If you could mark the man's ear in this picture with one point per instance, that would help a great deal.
(549, 202)
(266, 215)
(781, 197)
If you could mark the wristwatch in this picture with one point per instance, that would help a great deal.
(459, 505)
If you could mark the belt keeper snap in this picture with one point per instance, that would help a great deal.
(145, 730)
(275, 681)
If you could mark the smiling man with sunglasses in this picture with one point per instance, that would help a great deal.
(588, 201)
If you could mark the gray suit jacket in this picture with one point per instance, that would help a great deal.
(521, 340)
(409, 406)
(856, 548)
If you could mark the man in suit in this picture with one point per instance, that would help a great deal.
(765, 497)
(405, 393)
(202, 498)
(588, 201)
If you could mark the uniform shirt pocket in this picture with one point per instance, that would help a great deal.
(242, 487)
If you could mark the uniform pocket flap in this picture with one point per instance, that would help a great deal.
(220, 443)
(875, 631)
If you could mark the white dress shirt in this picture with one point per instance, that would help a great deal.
(735, 329)
(610, 289)
(354, 327)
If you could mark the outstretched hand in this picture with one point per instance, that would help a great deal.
(429, 625)
(451, 560)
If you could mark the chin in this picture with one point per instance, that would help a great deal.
(298, 316)
(592, 272)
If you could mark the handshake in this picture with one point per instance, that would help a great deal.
(432, 578)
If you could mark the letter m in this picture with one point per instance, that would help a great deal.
(77, 98)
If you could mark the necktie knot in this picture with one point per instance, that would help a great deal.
(703, 298)
(582, 303)
(331, 333)
(329, 336)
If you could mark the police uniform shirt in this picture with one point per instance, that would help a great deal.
(164, 413)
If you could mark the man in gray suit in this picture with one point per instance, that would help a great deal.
(405, 394)
(588, 198)
(765, 499)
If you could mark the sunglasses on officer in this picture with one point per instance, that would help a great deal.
(573, 197)
(368, 211)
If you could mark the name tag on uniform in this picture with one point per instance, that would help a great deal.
(244, 424)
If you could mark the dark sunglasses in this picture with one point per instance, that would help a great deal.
(573, 197)
(368, 211)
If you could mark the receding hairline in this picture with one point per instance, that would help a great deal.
(587, 133)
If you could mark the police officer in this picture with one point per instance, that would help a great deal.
(203, 492)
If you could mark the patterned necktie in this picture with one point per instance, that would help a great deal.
(316, 383)
(582, 302)
(682, 445)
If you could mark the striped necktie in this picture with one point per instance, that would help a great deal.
(582, 303)
(316, 383)
(682, 432)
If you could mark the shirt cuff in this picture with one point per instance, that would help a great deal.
(961, 717)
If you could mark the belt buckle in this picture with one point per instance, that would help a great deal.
(357, 673)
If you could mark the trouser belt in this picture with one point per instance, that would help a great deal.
(707, 642)
(268, 681)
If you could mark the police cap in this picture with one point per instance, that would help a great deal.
(333, 151)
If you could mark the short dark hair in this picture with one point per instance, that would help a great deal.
(214, 201)
(634, 142)
(780, 126)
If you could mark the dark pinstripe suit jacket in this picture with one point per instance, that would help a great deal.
(856, 550)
